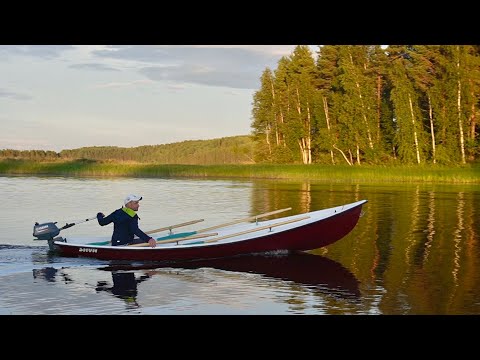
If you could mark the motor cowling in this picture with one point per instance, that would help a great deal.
(45, 231)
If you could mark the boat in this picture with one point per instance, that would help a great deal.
(300, 232)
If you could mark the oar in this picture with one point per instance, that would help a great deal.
(257, 229)
(243, 220)
(226, 236)
(177, 239)
(173, 226)
(256, 217)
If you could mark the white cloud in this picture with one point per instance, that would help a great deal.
(124, 84)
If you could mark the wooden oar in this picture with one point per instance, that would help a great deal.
(173, 226)
(188, 234)
(257, 229)
(244, 220)
(177, 239)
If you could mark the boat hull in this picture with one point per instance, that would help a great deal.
(309, 236)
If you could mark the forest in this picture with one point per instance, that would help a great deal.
(228, 150)
(354, 104)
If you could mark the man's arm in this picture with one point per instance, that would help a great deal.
(105, 220)
(136, 230)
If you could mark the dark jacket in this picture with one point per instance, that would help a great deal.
(124, 227)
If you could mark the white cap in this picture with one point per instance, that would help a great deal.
(131, 197)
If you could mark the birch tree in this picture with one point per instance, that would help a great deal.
(302, 76)
(409, 132)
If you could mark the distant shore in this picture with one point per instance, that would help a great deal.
(468, 174)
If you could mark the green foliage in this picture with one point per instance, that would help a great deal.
(228, 150)
(40, 155)
(283, 155)
(411, 104)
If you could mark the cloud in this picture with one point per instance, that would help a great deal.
(13, 95)
(268, 50)
(231, 66)
(124, 84)
(137, 53)
(234, 66)
(41, 51)
(93, 66)
(176, 87)
(203, 75)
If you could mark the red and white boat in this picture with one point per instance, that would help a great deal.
(299, 232)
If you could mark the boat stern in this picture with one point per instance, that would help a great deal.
(51, 243)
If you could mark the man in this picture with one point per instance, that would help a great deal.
(125, 223)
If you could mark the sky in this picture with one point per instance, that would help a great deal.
(56, 97)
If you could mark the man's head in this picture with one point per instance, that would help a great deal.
(132, 201)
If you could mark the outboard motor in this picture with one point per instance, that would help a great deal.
(45, 231)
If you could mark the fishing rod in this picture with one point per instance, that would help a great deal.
(47, 231)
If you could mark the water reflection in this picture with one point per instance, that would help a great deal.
(415, 251)
(50, 274)
(314, 271)
(295, 279)
(124, 286)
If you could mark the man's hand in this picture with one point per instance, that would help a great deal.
(152, 242)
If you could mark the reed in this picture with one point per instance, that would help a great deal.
(468, 174)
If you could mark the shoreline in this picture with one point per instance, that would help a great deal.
(468, 174)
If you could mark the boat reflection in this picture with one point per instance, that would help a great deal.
(313, 271)
(50, 274)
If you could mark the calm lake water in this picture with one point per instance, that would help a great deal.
(415, 250)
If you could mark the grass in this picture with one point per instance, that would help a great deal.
(468, 174)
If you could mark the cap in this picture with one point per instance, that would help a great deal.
(131, 197)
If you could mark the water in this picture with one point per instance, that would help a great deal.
(414, 251)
